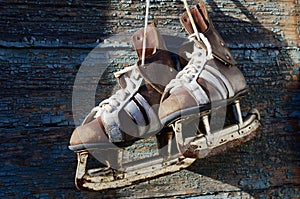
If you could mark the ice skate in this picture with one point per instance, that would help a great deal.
(202, 104)
(193, 108)
(108, 132)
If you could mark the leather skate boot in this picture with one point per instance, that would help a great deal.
(203, 80)
(131, 113)
(211, 79)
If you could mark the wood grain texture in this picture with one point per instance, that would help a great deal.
(45, 44)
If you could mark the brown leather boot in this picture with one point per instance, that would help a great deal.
(204, 80)
(131, 113)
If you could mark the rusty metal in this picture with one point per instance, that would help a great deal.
(102, 179)
(214, 142)
(189, 149)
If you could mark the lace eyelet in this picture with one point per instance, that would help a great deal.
(108, 109)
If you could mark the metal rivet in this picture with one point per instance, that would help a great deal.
(227, 57)
(222, 43)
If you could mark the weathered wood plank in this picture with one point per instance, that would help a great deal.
(43, 45)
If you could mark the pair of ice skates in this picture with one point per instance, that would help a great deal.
(181, 109)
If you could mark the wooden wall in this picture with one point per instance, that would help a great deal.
(43, 46)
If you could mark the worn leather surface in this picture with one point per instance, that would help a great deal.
(232, 74)
(157, 71)
(179, 100)
(222, 84)
(204, 25)
(154, 41)
(159, 68)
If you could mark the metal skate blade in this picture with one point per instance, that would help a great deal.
(131, 173)
(229, 137)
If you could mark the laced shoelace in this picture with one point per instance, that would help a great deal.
(113, 102)
(196, 63)
(196, 36)
(194, 67)
(198, 58)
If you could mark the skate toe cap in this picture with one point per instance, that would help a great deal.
(177, 101)
(88, 134)
(75, 138)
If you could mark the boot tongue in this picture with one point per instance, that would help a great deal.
(200, 17)
(153, 41)
(157, 59)
(205, 26)
(159, 68)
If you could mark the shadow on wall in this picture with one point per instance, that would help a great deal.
(254, 167)
(257, 166)
(41, 43)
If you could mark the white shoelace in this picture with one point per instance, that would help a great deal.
(196, 63)
(196, 35)
(187, 78)
(198, 60)
(113, 102)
